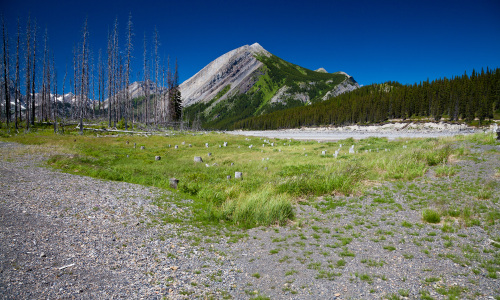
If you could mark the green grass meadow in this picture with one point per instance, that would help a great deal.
(274, 177)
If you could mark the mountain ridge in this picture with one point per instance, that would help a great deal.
(249, 81)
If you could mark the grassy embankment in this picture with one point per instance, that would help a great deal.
(274, 177)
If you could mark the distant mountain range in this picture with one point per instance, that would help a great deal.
(246, 82)
(250, 81)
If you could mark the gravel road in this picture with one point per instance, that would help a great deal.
(66, 236)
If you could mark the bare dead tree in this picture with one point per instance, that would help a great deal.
(100, 81)
(115, 70)
(45, 80)
(54, 108)
(17, 83)
(110, 79)
(64, 84)
(163, 94)
(170, 87)
(156, 72)
(28, 72)
(74, 102)
(128, 105)
(84, 75)
(6, 73)
(33, 97)
(146, 85)
(92, 76)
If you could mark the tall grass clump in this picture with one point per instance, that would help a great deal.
(446, 171)
(431, 216)
(306, 180)
(262, 208)
(438, 156)
(482, 138)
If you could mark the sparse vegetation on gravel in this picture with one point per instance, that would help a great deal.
(398, 229)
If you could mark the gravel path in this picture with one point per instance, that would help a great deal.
(67, 236)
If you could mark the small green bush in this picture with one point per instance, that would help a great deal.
(431, 216)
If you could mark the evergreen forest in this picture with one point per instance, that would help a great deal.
(473, 99)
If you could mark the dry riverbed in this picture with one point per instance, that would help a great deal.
(68, 236)
(390, 131)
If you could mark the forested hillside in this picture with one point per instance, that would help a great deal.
(470, 99)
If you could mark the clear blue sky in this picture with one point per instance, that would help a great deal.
(374, 41)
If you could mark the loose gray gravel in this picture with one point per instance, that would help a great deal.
(66, 236)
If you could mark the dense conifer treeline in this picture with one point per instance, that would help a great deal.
(463, 98)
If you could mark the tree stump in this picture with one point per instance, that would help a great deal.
(228, 177)
(174, 182)
(142, 147)
(209, 154)
(176, 147)
(238, 175)
(198, 159)
(157, 157)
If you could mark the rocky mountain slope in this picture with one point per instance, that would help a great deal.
(250, 81)
(233, 68)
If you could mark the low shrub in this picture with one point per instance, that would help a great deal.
(431, 216)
